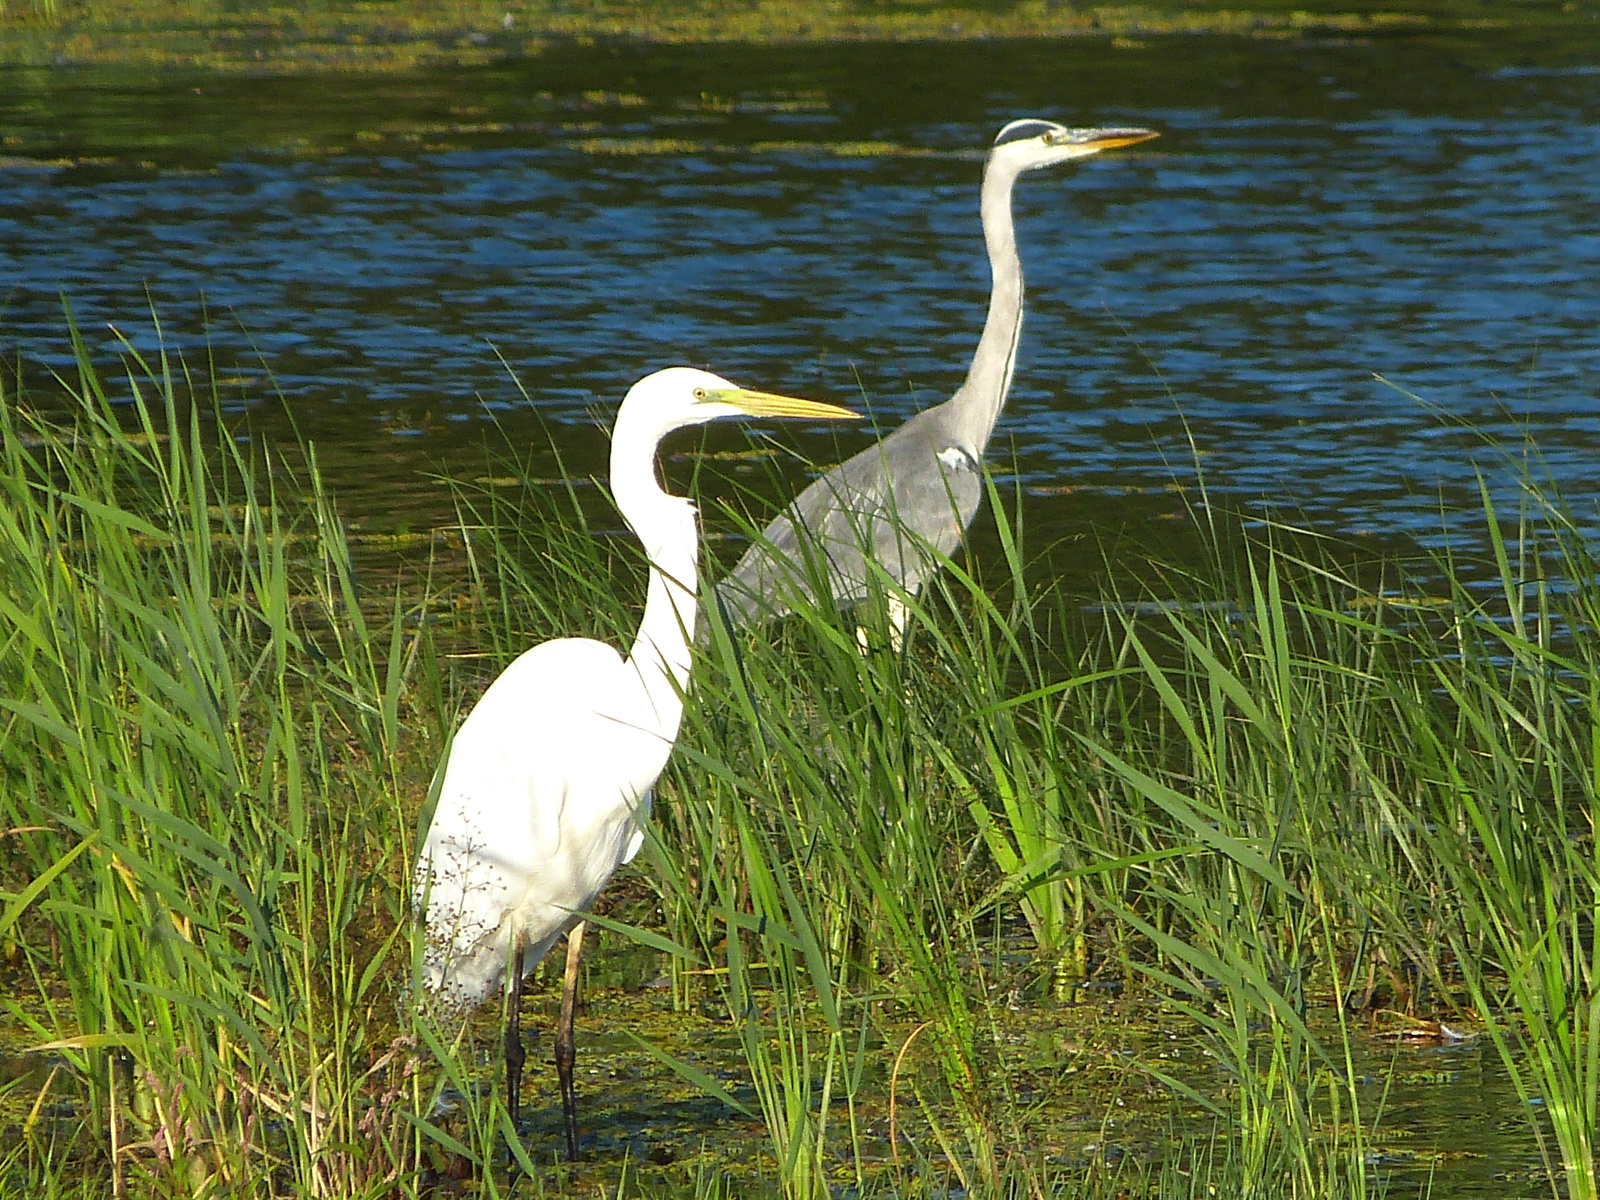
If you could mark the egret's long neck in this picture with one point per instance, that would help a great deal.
(977, 405)
(667, 527)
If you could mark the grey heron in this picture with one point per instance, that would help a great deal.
(907, 501)
(550, 775)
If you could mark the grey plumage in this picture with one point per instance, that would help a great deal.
(907, 501)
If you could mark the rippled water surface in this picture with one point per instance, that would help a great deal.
(1313, 215)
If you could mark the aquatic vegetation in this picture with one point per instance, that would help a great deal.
(407, 34)
(1102, 899)
(633, 146)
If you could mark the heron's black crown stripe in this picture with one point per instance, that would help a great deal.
(1018, 130)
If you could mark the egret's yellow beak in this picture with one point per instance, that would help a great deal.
(1110, 139)
(768, 404)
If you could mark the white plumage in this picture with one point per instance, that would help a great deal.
(531, 824)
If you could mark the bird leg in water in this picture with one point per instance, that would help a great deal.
(566, 1050)
(515, 1054)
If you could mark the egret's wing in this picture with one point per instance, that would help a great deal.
(501, 804)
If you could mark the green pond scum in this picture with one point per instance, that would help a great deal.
(1272, 878)
(401, 35)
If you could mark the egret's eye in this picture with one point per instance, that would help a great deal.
(1049, 138)
(699, 393)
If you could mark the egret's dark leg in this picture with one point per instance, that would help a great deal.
(515, 1054)
(566, 1051)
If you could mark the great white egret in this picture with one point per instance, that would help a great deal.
(907, 501)
(549, 777)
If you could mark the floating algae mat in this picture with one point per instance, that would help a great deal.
(405, 35)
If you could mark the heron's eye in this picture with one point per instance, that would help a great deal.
(699, 393)
(1049, 138)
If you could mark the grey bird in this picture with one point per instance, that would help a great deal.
(907, 501)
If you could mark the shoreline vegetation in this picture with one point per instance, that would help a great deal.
(401, 35)
(1278, 802)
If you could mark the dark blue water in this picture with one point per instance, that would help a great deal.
(805, 219)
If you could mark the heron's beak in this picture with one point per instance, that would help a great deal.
(1110, 139)
(768, 404)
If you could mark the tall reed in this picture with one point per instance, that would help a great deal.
(210, 788)
(1507, 724)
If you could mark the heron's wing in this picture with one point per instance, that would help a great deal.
(934, 492)
(903, 502)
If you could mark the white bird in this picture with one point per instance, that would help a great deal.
(549, 777)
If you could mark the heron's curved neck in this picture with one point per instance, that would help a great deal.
(666, 525)
(977, 405)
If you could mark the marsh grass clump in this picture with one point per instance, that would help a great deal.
(212, 755)
(1276, 802)
(1259, 790)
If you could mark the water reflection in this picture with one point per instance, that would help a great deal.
(805, 220)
